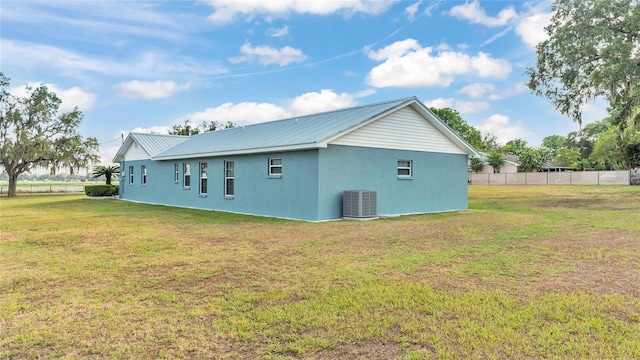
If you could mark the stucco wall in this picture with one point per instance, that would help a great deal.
(439, 181)
(293, 195)
(311, 184)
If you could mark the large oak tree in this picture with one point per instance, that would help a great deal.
(593, 51)
(34, 134)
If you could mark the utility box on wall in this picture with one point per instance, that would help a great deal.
(359, 204)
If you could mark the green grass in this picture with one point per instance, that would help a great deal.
(529, 272)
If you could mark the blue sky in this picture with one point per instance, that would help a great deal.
(148, 65)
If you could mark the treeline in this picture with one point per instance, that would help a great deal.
(600, 145)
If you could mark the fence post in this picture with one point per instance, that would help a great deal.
(598, 174)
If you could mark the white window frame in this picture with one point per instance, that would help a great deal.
(203, 178)
(229, 178)
(130, 174)
(143, 174)
(273, 167)
(186, 175)
(404, 166)
(176, 168)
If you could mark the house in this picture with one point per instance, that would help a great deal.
(510, 165)
(299, 167)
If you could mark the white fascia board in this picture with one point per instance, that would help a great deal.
(123, 149)
(271, 149)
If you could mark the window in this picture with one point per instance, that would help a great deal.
(275, 167)
(131, 175)
(228, 178)
(203, 178)
(186, 170)
(404, 168)
(176, 170)
(143, 171)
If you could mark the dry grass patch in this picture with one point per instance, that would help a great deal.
(529, 272)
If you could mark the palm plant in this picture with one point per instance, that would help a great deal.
(476, 164)
(495, 159)
(106, 171)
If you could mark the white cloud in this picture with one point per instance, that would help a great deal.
(364, 93)
(241, 113)
(412, 9)
(70, 97)
(407, 64)
(273, 32)
(49, 58)
(509, 92)
(247, 113)
(267, 55)
(137, 89)
(325, 100)
(500, 126)
(463, 107)
(531, 28)
(475, 14)
(226, 11)
(476, 90)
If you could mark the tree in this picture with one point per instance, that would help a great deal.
(205, 126)
(592, 52)
(515, 147)
(33, 134)
(555, 143)
(607, 149)
(453, 119)
(107, 171)
(585, 139)
(491, 142)
(476, 164)
(566, 157)
(495, 159)
(531, 159)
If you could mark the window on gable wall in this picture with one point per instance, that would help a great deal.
(131, 175)
(203, 178)
(143, 172)
(275, 167)
(186, 170)
(404, 168)
(176, 170)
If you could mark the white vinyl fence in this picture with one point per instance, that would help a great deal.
(554, 178)
(43, 189)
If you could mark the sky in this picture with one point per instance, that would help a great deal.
(145, 66)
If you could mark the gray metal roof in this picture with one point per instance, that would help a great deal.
(303, 132)
(153, 144)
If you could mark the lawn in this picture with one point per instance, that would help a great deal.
(529, 272)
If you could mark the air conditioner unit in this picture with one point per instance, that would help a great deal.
(359, 204)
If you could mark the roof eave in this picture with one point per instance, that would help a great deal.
(283, 148)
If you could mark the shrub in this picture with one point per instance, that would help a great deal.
(101, 190)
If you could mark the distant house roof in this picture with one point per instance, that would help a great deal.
(508, 159)
(299, 133)
(152, 144)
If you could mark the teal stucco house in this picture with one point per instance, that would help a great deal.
(299, 168)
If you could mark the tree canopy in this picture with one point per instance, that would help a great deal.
(205, 126)
(592, 52)
(470, 134)
(34, 134)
